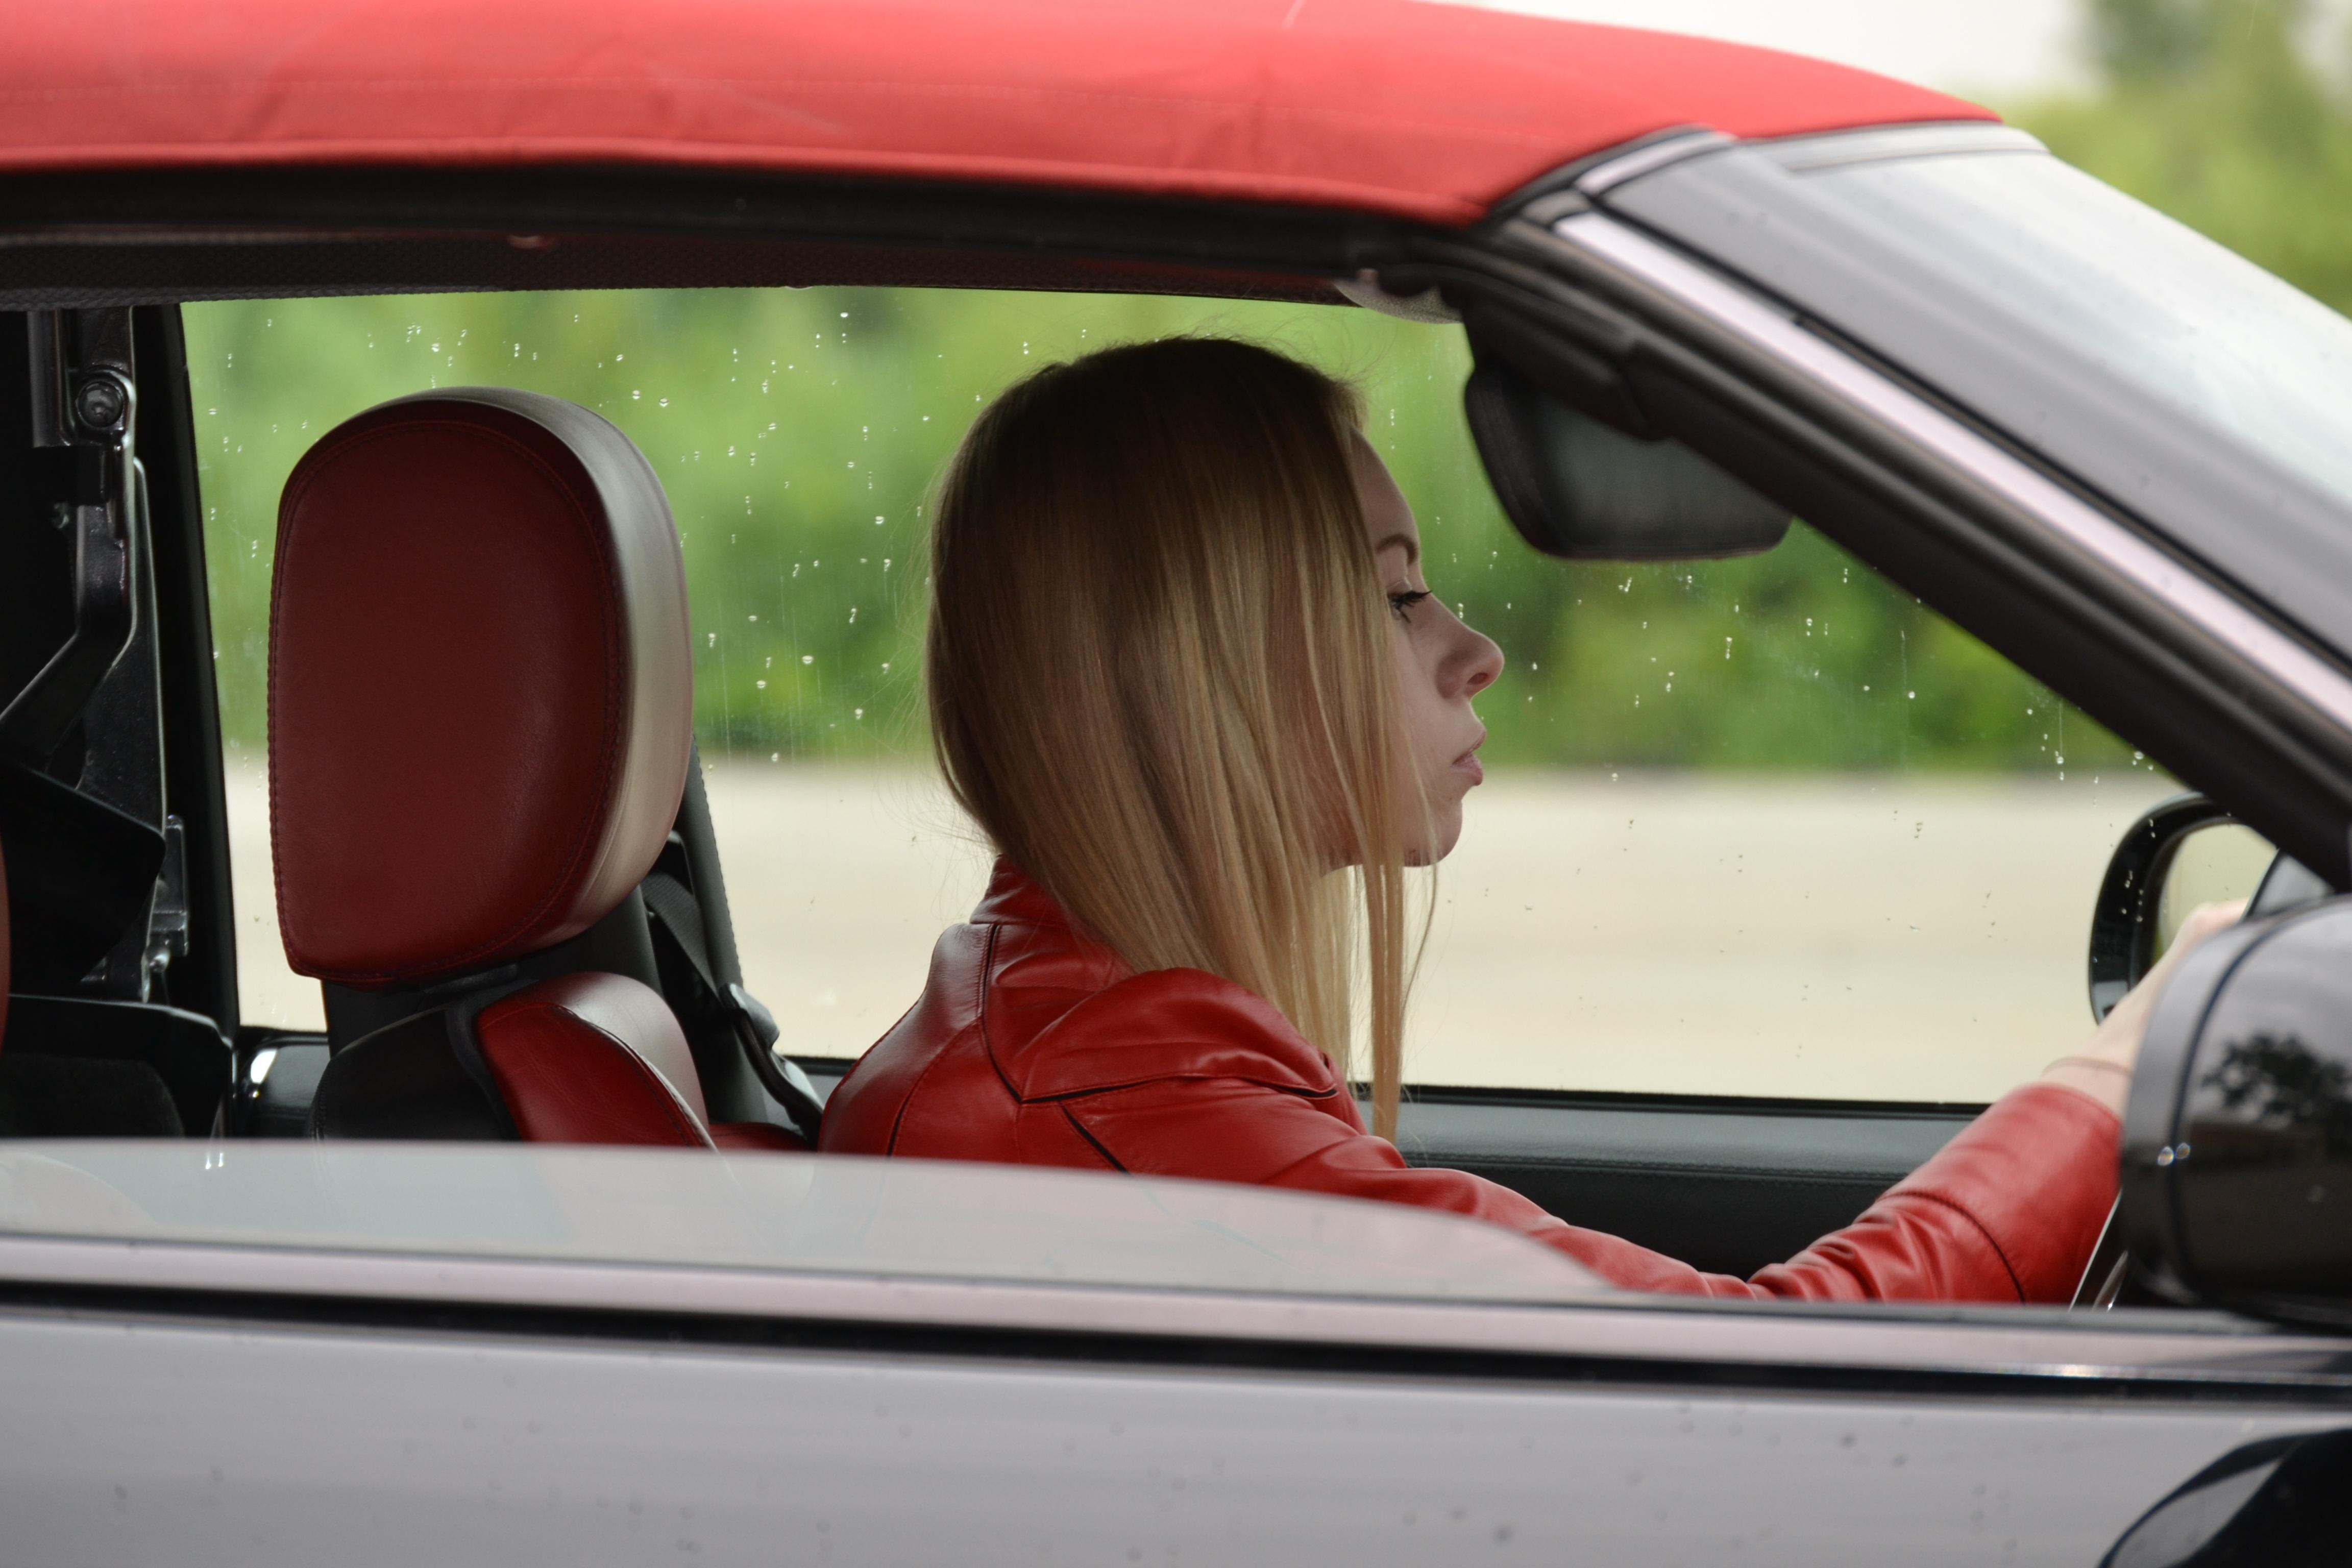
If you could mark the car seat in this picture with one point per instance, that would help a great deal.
(81, 877)
(481, 711)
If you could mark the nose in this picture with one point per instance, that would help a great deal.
(1473, 664)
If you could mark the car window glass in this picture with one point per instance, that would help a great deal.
(1761, 826)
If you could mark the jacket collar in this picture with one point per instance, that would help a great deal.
(1013, 898)
(1063, 1015)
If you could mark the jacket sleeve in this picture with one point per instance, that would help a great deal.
(2008, 1211)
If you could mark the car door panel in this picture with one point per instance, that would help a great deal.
(260, 1442)
(1727, 1185)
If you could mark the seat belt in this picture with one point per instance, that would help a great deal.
(677, 921)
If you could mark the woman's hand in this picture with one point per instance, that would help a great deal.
(2103, 1069)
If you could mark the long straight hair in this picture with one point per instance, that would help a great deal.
(1160, 677)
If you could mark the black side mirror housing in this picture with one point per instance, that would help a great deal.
(2237, 1158)
(1577, 487)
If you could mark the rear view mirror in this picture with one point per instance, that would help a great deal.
(1577, 488)
(2237, 1164)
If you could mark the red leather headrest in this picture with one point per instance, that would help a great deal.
(480, 686)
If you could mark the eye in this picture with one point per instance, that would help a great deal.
(1402, 602)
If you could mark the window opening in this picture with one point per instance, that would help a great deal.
(1757, 827)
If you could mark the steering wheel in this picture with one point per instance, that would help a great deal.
(2108, 1272)
(2123, 948)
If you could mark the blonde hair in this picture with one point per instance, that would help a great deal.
(1160, 676)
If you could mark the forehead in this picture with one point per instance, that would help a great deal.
(1388, 517)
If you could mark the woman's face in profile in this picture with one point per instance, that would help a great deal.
(1440, 664)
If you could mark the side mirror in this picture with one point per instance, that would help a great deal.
(2237, 1162)
(1577, 487)
(2181, 853)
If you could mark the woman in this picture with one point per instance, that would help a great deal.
(1186, 672)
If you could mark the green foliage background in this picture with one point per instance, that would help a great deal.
(798, 433)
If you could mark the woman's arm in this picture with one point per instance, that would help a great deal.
(2008, 1211)
(2103, 1069)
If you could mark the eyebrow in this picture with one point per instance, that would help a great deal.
(1412, 548)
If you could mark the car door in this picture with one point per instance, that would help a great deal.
(625, 1356)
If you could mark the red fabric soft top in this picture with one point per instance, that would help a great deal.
(1405, 106)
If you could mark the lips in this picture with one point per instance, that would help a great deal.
(1467, 763)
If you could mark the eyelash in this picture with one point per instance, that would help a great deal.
(1402, 604)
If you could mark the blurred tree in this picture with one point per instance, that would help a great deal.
(2158, 41)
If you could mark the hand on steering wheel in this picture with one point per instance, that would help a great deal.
(2103, 1067)
(2103, 1070)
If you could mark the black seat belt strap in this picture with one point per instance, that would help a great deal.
(677, 920)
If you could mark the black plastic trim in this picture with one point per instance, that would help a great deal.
(203, 979)
(255, 233)
(1562, 180)
(1287, 1357)
(1693, 1104)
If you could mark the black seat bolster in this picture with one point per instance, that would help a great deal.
(117, 1046)
(44, 1096)
(405, 1080)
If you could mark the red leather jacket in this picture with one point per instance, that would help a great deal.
(1032, 1045)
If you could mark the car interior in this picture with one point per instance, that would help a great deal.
(515, 937)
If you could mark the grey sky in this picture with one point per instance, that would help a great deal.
(1999, 49)
(1992, 48)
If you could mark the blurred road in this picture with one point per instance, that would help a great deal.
(1891, 938)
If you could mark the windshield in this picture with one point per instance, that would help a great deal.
(2178, 380)
(2147, 299)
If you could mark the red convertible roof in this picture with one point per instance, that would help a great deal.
(1418, 110)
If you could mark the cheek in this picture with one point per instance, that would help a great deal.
(1416, 693)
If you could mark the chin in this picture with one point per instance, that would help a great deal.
(1445, 833)
(1444, 826)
